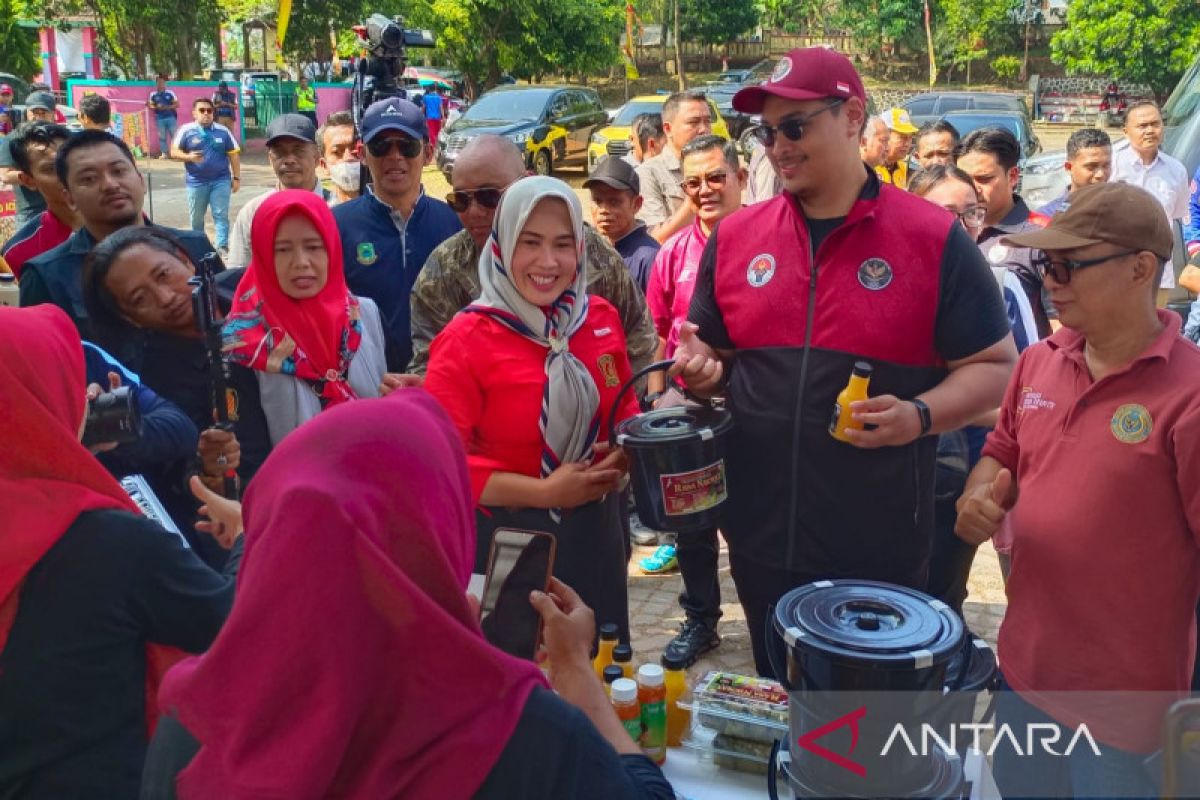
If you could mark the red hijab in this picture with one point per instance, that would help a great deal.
(352, 664)
(314, 338)
(47, 478)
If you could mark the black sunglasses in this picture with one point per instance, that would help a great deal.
(714, 180)
(1061, 269)
(409, 148)
(792, 127)
(460, 201)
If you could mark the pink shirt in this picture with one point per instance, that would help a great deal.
(1106, 531)
(672, 279)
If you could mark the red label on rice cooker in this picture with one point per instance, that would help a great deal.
(691, 492)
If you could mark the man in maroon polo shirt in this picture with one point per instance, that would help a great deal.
(836, 269)
(33, 149)
(1095, 465)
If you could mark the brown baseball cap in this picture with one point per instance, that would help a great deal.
(806, 73)
(1116, 213)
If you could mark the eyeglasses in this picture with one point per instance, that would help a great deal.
(409, 148)
(460, 201)
(971, 216)
(792, 127)
(714, 180)
(204, 110)
(1061, 269)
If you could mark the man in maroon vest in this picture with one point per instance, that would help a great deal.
(792, 292)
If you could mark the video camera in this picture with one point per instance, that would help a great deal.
(113, 417)
(379, 75)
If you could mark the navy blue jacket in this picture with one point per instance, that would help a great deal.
(56, 276)
(383, 253)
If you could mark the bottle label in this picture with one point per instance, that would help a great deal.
(692, 492)
(654, 725)
(634, 728)
(837, 414)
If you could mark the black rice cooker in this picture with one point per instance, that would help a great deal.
(676, 462)
(856, 658)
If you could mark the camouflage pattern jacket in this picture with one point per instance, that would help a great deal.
(449, 281)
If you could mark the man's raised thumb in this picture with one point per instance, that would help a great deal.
(1002, 487)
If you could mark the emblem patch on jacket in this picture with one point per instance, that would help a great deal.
(365, 252)
(875, 274)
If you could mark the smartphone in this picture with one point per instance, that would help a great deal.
(520, 562)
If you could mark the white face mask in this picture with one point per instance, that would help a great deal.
(347, 175)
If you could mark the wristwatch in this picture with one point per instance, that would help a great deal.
(923, 413)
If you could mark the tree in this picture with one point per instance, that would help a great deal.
(18, 46)
(876, 23)
(797, 16)
(717, 21)
(970, 30)
(1135, 41)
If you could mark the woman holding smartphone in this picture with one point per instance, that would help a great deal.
(529, 375)
(353, 664)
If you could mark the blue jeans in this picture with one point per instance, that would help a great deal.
(1082, 774)
(166, 132)
(1191, 327)
(216, 195)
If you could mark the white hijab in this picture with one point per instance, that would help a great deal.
(570, 417)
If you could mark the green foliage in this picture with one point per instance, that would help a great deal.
(874, 22)
(969, 30)
(1006, 67)
(1137, 41)
(18, 46)
(797, 16)
(716, 21)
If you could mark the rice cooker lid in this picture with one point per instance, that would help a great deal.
(869, 621)
(673, 425)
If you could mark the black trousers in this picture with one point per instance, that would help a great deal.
(698, 553)
(589, 556)
(759, 588)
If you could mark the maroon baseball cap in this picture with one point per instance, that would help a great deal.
(806, 73)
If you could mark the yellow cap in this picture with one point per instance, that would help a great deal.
(898, 120)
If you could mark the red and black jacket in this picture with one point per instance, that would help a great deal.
(899, 284)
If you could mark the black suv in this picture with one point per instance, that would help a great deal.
(552, 124)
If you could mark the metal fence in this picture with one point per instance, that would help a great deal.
(268, 100)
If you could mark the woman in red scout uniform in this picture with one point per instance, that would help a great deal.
(529, 374)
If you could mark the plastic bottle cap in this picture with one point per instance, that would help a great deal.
(623, 652)
(650, 675)
(673, 662)
(612, 673)
(862, 369)
(609, 630)
(624, 690)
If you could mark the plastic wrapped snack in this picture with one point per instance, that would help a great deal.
(741, 707)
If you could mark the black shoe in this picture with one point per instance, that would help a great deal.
(695, 638)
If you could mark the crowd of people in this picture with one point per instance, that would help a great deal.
(400, 376)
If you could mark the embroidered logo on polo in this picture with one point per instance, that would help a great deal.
(365, 252)
(781, 69)
(875, 274)
(1032, 400)
(761, 270)
(608, 368)
(1131, 423)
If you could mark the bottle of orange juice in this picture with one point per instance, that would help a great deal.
(652, 696)
(608, 641)
(679, 719)
(623, 658)
(625, 703)
(856, 389)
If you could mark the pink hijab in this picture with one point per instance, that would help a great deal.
(351, 664)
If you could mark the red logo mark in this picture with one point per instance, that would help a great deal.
(809, 741)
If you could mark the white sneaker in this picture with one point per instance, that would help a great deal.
(639, 533)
